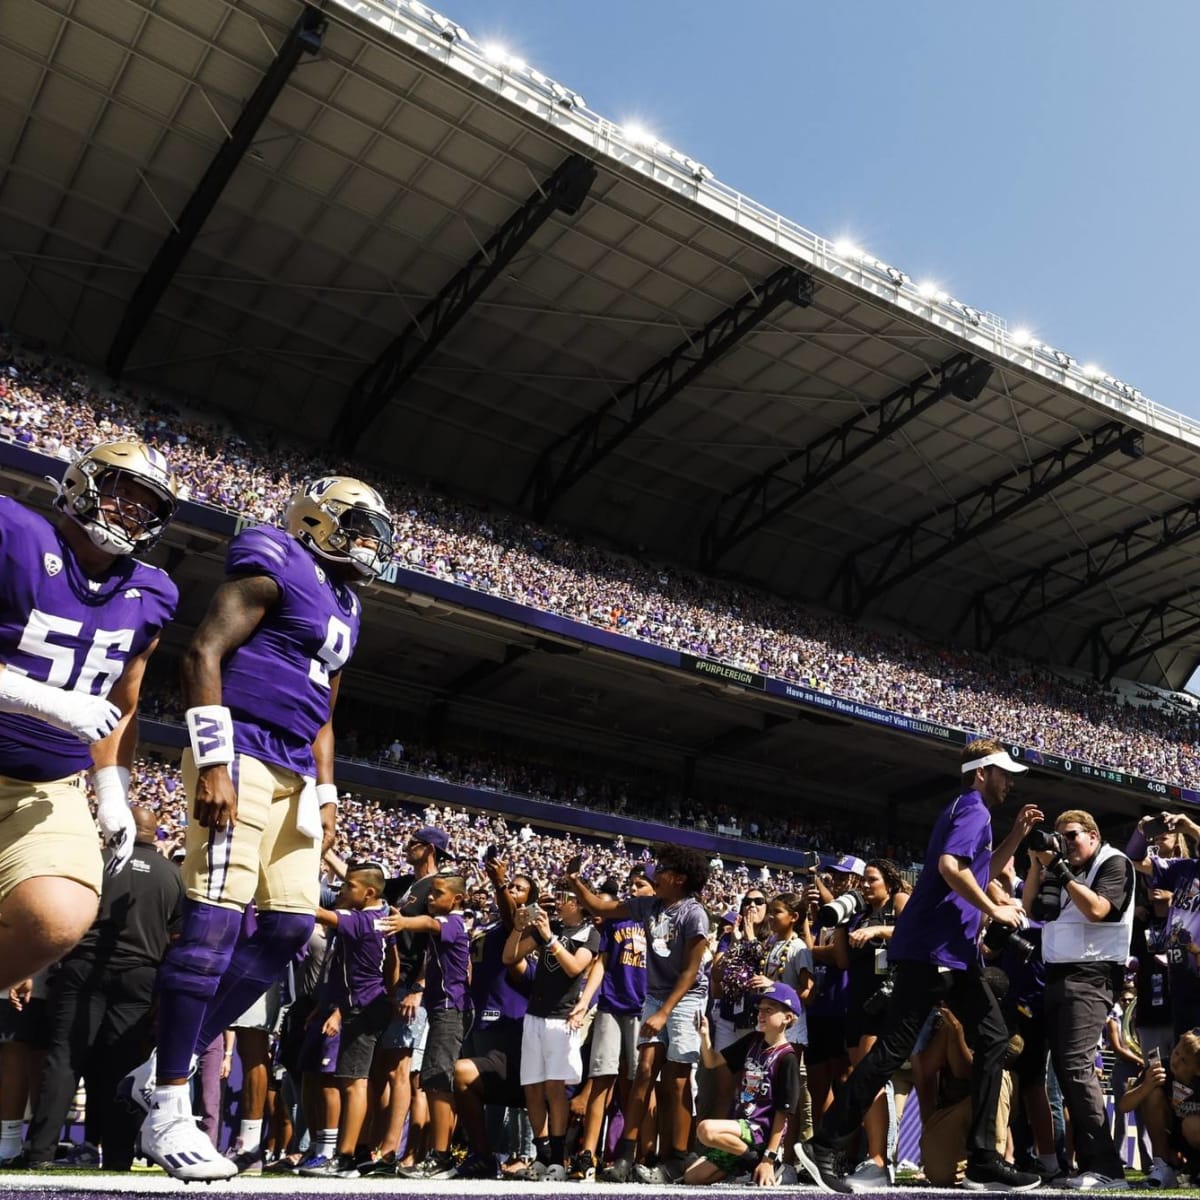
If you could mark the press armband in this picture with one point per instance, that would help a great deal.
(210, 730)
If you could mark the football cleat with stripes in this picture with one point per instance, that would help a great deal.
(172, 1139)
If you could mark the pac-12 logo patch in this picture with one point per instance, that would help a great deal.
(52, 563)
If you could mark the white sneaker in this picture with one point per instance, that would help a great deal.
(138, 1086)
(1093, 1181)
(171, 1138)
(555, 1173)
(1161, 1175)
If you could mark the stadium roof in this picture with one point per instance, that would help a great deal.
(631, 348)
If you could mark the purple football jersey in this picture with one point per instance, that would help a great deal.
(276, 683)
(356, 973)
(70, 630)
(448, 965)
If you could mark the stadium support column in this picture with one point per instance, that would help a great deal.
(761, 499)
(914, 548)
(383, 381)
(595, 437)
(304, 38)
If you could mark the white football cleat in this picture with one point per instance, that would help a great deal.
(172, 1139)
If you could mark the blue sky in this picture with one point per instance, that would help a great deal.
(1036, 158)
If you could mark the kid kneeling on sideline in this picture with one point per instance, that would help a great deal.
(1168, 1100)
(766, 1094)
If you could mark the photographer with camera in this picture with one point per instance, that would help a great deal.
(862, 951)
(1082, 889)
(935, 958)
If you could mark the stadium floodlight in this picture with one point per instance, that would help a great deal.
(566, 97)
(501, 57)
(928, 290)
(844, 248)
(447, 28)
(699, 171)
(1091, 371)
(639, 135)
(1022, 337)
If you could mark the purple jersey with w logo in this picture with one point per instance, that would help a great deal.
(276, 684)
(70, 630)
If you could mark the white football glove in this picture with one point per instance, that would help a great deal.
(113, 815)
(88, 718)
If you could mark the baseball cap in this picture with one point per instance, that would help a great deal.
(848, 865)
(1000, 758)
(431, 835)
(730, 918)
(782, 993)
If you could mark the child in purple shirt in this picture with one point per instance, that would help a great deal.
(447, 975)
(357, 1007)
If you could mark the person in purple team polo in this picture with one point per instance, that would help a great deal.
(935, 958)
(260, 680)
(79, 618)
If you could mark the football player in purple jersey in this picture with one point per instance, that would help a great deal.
(79, 618)
(260, 679)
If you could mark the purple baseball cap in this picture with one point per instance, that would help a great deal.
(431, 835)
(783, 994)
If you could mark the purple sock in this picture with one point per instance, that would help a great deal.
(188, 979)
(257, 963)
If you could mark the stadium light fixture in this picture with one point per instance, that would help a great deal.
(447, 28)
(639, 135)
(501, 58)
(844, 248)
(1022, 337)
(1091, 371)
(928, 290)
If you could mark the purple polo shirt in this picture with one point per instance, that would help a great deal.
(937, 925)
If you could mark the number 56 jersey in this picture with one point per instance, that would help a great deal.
(67, 629)
(276, 684)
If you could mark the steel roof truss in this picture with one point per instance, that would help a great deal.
(304, 38)
(382, 383)
(1081, 570)
(597, 435)
(766, 496)
(926, 541)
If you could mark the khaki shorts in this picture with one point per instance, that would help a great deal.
(47, 829)
(263, 857)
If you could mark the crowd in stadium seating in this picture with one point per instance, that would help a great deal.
(49, 404)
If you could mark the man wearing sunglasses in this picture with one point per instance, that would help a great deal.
(1083, 890)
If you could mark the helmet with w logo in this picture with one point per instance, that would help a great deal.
(344, 521)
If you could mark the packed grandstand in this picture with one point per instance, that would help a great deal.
(51, 404)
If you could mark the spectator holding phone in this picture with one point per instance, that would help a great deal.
(676, 927)
(1181, 877)
(1168, 1100)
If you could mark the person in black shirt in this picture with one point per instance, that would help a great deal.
(99, 1001)
(551, 1055)
(1083, 890)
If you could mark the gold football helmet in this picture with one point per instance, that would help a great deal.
(344, 521)
(122, 494)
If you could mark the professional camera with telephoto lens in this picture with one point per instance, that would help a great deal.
(841, 910)
(999, 938)
(1048, 839)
